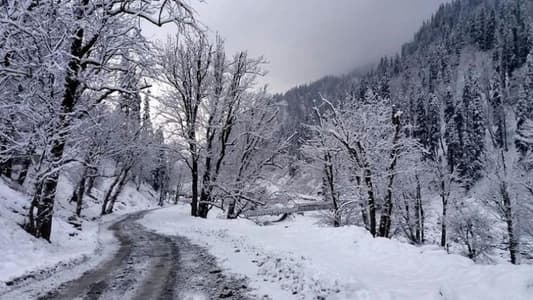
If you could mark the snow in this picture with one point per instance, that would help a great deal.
(23, 254)
(302, 259)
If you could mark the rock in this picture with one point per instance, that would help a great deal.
(226, 293)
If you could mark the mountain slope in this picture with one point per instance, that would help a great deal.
(462, 90)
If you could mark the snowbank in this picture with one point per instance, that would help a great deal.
(303, 260)
(26, 256)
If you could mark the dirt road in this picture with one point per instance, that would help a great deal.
(150, 266)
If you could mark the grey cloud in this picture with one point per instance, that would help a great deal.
(306, 39)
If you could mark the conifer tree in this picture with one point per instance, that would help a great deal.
(434, 124)
(523, 112)
(473, 150)
(496, 101)
(420, 131)
(449, 105)
(161, 170)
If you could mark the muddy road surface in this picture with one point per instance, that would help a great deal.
(147, 265)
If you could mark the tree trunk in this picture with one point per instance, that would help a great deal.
(231, 209)
(371, 201)
(7, 165)
(386, 215)
(364, 214)
(25, 167)
(419, 217)
(81, 183)
(138, 182)
(203, 205)
(6, 168)
(508, 214)
(509, 221)
(79, 202)
(205, 198)
(45, 208)
(109, 192)
(330, 180)
(178, 190)
(74, 196)
(162, 197)
(443, 238)
(80, 192)
(177, 197)
(194, 200)
(118, 190)
(409, 226)
(30, 225)
(90, 181)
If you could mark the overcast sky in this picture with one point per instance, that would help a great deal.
(304, 40)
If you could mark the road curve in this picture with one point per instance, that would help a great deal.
(152, 266)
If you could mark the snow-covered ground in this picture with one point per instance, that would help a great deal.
(23, 255)
(300, 259)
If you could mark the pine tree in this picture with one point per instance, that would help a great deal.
(420, 131)
(454, 135)
(523, 113)
(451, 136)
(130, 102)
(490, 31)
(449, 105)
(385, 92)
(481, 29)
(472, 162)
(524, 105)
(506, 54)
(496, 101)
(433, 75)
(478, 125)
(144, 171)
(434, 124)
(160, 173)
(528, 75)
(146, 118)
(521, 34)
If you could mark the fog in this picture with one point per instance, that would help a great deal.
(304, 40)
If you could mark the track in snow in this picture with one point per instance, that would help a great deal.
(151, 266)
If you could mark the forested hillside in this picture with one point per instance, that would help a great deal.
(398, 181)
(434, 144)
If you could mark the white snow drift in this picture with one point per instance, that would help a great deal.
(303, 260)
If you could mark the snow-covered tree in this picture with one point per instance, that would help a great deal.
(179, 59)
(71, 59)
(376, 133)
(470, 166)
(219, 117)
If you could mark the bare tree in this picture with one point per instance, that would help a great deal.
(207, 98)
(184, 68)
(365, 140)
(73, 50)
(257, 151)
(228, 102)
